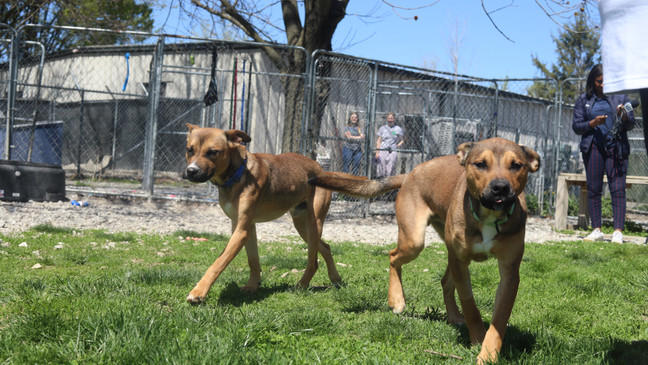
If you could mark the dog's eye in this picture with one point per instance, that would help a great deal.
(515, 166)
(480, 165)
(190, 150)
(212, 153)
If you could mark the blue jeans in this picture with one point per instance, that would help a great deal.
(351, 160)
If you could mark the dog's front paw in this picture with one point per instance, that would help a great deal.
(486, 357)
(396, 303)
(195, 298)
(398, 308)
(251, 287)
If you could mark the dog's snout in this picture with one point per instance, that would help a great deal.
(192, 170)
(500, 187)
(195, 173)
(498, 194)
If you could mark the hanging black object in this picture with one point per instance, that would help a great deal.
(212, 93)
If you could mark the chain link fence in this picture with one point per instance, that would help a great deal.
(436, 112)
(120, 110)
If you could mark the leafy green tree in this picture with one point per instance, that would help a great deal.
(577, 47)
(114, 14)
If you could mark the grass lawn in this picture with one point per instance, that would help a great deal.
(120, 298)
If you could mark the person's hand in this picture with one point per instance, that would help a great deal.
(377, 155)
(598, 120)
(622, 112)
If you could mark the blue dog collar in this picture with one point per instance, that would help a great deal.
(236, 176)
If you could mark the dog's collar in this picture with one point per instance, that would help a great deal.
(498, 222)
(236, 176)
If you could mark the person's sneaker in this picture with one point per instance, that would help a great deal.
(596, 235)
(617, 237)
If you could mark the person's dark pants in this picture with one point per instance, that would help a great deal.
(596, 164)
(351, 160)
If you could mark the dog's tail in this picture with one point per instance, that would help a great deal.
(357, 185)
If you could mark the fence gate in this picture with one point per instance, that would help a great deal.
(340, 86)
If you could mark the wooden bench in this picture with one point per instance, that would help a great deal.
(562, 197)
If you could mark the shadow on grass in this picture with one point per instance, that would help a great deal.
(516, 342)
(429, 314)
(48, 228)
(233, 295)
(216, 237)
(622, 352)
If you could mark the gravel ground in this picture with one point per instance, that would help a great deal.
(167, 216)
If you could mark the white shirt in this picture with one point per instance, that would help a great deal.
(624, 44)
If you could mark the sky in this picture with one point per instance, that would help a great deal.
(372, 29)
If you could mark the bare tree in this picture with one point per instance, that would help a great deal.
(307, 24)
(454, 45)
(311, 27)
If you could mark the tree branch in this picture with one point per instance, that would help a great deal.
(493, 22)
(292, 22)
(229, 13)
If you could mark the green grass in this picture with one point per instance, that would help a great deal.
(120, 298)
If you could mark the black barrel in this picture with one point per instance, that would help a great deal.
(22, 181)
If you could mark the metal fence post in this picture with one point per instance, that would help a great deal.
(78, 152)
(494, 123)
(370, 126)
(39, 80)
(370, 129)
(455, 101)
(150, 133)
(307, 146)
(14, 56)
(557, 143)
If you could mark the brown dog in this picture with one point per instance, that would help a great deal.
(475, 201)
(256, 187)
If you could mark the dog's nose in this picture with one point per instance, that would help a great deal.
(500, 187)
(192, 171)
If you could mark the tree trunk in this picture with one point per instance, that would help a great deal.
(293, 107)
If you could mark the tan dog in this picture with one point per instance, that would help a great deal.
(475, 201)
(256, 187)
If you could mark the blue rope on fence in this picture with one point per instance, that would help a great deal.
(127, 55)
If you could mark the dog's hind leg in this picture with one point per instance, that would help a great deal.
(305, 223)
(252, 251)
(411, 240)
(321, 205)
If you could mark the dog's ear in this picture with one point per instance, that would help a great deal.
(237, 136)
(191, 127)
(533, 158)
(462, 152)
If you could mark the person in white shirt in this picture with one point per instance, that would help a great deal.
(389, 138)
(624, 50)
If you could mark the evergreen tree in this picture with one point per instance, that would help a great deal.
(578, 51)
